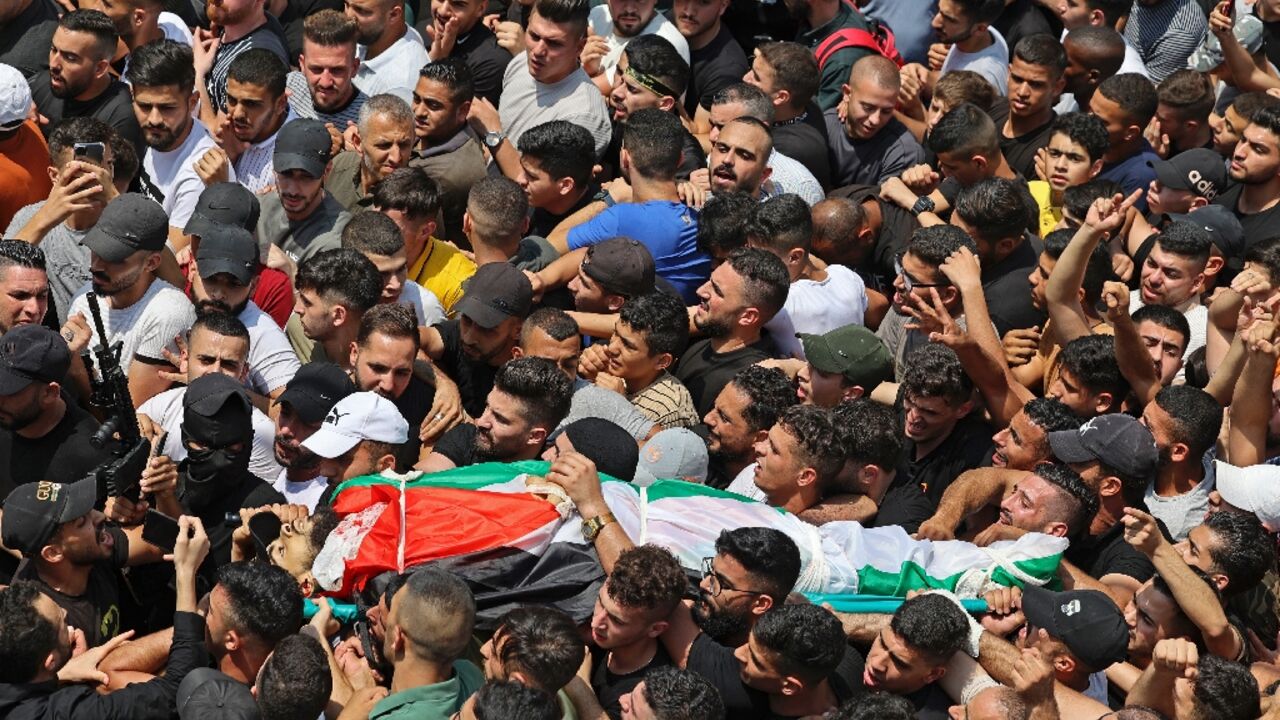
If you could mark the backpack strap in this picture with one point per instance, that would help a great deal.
(843, 40)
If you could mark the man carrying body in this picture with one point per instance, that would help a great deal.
(303, 405)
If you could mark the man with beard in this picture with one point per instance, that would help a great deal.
(868, 145)
(235, 26)
(446, 148)
(384, 141)
(164, 99)
(142, 311)
(42, 436)
(382, 362)
(325, 88)
(652, 75)
(226, 277)
(819, 20)
(617, 23)
(530, 397)
(785, 174)
(217, 343)
(335, 289)
(716, 60)
(82, 188)
(743, 293)
(740, 156)
(137, 22)
(390, 54)
(71, 553)
(359, 436)
(1254, 195)
(306, 400)
(456, 31)
(79, 83)
(256, 110)
(481, 339)
(964, 27)
(299, 217)
(743, 413)
(1024, 443)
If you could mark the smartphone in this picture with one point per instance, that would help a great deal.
(160, 530)
(91, 151)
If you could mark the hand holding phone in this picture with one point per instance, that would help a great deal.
(160, 530)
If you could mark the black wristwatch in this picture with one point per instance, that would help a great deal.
(604, 197)
(923, 204)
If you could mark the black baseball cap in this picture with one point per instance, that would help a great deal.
(216, 410)
(1222, 225)
(621, 265)
(228, 203)
(1200, 171)
(31, 354)
(227, 249)
(1118, 441)
(1086, 621)
(303, 144)
(33, 512)
(315, 389)
(207, 694)
(130, 223)
(497, 292)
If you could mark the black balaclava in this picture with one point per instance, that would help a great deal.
(216, 414)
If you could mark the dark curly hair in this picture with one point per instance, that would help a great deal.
(662, 319)
(818, 444)
(675, 694)
(932, 625)
(770, 392)
(808, 640)
(265, 601)
(544, 392)
(935, 371)
(869, 432)
(648, 577)
(26, 637)
(541, 643)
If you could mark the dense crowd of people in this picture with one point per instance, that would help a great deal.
(962, 271)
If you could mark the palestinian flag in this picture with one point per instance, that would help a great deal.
(515, 547)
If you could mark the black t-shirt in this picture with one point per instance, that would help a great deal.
(711, 69)
(63, 455)
(964, 449)
(705, 372)
(1008, 291)
(717, 664)
(804, 139)
(1020, 152)
(113, 107)
(1257, 226)
(458, 444)
(414, 404)
(930, 702)
(474, 379)
(97, 611)
(294, 13)
(896, 227)
(1109, 554)
(1271, 39)
(610, 687)
(542, 222)
(904, 504)
(25, 40)
(485, 57)
(249, 492)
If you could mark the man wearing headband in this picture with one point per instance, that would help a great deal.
(651, 74)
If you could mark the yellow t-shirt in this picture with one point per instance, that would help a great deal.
(442, 269)
(1049, 215)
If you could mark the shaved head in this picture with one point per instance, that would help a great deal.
(878, 69)
(1097, 48)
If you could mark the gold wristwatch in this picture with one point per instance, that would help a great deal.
(592, 527)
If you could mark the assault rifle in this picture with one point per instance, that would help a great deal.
(121, 475)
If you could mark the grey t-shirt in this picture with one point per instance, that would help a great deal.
(534, 253)
(320, 231)
(1182, 512)
(594, 401)
(66, 260)
(869, 162)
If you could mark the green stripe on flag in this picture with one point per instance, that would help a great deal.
(677, 489)
(913, 576)
(471, 477)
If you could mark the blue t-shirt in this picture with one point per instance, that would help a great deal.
(668, 229)
(1133, 173)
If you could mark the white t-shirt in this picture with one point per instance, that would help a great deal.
(425, 304)
(307, 492)
(818, 307)
(170, 177)
(601, 22)
(395, 71)
(165, 410)
(272, 363)
(744, 484)
(255, 169)
(145, 327)
(991, 62)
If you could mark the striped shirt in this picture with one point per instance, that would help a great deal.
(667, 402)
(216, 82)
(254, 168)
(300, 102)
(1165, 34)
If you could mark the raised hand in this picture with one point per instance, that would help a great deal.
(1020, 345)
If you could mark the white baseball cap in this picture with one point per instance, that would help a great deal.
(15, 97)
(1254, 489)
(359, 416)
